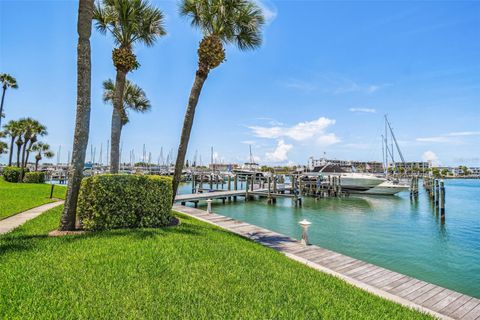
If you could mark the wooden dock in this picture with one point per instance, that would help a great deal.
(228, 194)
(440, 302)
(193, 197)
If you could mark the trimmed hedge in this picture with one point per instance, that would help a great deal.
(12, 174)
(34, 177)
(125, 201)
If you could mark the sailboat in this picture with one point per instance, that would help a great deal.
(250, 168)
(390, 186)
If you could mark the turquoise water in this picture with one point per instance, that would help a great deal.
(393, 232)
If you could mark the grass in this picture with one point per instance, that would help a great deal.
(193, 271)
(18, 197)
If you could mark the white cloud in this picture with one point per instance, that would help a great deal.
(300, 85)
(328, 139)
(271, 121)
(364, 110)
(449, 137)
(280, 153)
(464, 133)
(269, 10)
(431, 157)
(302, 131)
(332, 84)
(440, 139)
(348, 86)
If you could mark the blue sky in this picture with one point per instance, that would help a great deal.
(322, 81)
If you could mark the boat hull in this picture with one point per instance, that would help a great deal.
(386, 188)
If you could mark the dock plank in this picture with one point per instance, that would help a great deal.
(455, 305)
(473, 314)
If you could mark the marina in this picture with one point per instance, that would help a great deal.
(239, 159)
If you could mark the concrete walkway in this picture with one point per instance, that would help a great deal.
(10, 223)
(440, 302)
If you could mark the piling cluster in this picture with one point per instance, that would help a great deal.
(414, 187)
(436, 192)
(271, 186)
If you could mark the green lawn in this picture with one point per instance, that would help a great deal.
(18, 197)
(193, 271)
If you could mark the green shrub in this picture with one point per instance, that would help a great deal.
(34, 177)
(11, 174)
(125, 201)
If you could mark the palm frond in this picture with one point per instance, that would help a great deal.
(234, 21)
(134, 98)
(129, 21)
(8, 81)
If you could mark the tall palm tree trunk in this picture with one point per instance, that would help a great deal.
(12, 142)
(24, 147)
(24, 163)
(19, 149)
(117, 121)
(82, 120)
(200, 78)
(1, 104)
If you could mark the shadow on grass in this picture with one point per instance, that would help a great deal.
(14, 242)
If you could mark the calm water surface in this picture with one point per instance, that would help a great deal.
(393, 232)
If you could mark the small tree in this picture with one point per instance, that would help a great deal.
(42, 150)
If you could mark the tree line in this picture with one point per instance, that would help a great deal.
(24, 137)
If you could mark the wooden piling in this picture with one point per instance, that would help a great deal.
(442, 202)
(235, 186)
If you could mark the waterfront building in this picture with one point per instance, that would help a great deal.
(222, 166)
(411, 165)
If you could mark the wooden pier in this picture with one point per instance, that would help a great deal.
(230, 195)
(438, 301)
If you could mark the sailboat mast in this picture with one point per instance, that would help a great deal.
(383, 156)
(394, 140)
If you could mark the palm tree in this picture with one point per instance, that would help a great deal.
(221, 22)
(3, 145)
(31, 129)
(34, 129)
(19, 143)
(134, 98)
(82, 118)
(7, 82)
(43, 150)
(129, 22)
(12, 129)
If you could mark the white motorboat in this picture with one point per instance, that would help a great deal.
(387, 188)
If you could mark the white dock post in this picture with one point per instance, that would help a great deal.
(304, 224)
(209, 206)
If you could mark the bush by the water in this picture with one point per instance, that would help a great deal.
(12, 174)
(125, 201)
(34, 177)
